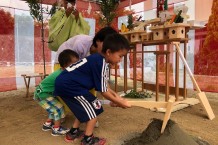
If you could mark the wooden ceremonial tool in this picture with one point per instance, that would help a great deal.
(153, 104)
(201, 95)
(168, 112)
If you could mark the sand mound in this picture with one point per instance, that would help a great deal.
(172, 135)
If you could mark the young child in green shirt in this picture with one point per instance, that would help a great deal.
(46, 99)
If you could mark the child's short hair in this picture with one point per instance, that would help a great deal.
(65, 56)
(71, 1)
(115, 42)
(100, 35)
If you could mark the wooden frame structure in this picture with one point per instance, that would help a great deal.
(171, 102)
(163, 40)
(157, 53)
(180, 32)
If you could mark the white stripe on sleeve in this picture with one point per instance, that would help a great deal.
(104, 76)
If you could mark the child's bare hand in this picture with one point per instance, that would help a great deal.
(76, 13)
(124, 104)
(69, 10)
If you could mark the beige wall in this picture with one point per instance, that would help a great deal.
(203, 9)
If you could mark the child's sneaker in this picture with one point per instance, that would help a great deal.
(60, 131)
(94, 141)
(47, 127)
(70, 137)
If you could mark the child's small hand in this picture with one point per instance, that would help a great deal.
(76, 13)
(69, 10)
(124, 104)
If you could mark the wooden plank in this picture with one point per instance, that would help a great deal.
(32, 75)
(177, 25)
(156, 27)
(148, 104)
(133, 32)
(160, 42)
(206, 105)
(187, 67)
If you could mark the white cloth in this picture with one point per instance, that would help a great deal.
(80, 44)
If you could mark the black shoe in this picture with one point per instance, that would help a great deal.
(70, 137)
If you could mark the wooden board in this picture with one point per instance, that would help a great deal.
(148, 104)
(177, 25)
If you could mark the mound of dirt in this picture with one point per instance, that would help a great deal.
(172, 135)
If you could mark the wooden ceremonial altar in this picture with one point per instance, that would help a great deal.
(170, 101)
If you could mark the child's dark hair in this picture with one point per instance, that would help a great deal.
(101, 35)
(115, 42)
(71, 1)
(65, 56)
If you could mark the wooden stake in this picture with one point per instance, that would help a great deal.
(168, 112)
(203, 99)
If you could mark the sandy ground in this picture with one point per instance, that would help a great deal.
(21, 121)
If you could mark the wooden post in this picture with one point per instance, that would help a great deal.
(157, 76)
(177, 77)
(134, 68)
(184, 72)
(125, 73)
(142, 68)
(167, 75)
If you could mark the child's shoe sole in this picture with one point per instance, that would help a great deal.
(72, 140)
